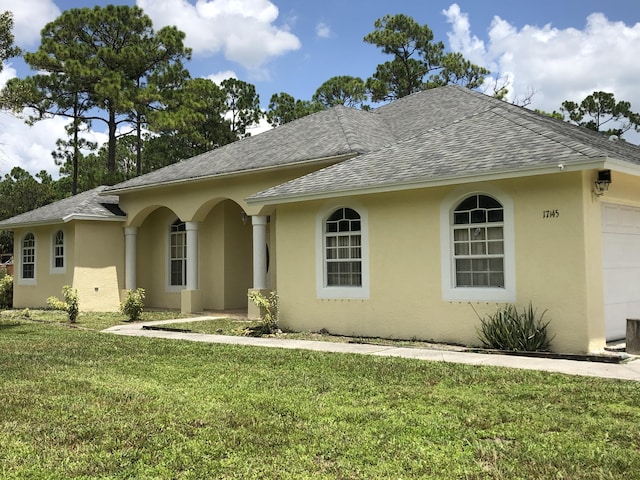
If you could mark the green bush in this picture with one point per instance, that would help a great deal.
(134, 304)
(510, 329)
(268, 305)
(6, 291)
(71, 303)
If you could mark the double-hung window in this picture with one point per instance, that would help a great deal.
(342, 254)
(178, 254)
(58, 251)
(28, 257)
(343, 249)
(478, 246)
(478, 242)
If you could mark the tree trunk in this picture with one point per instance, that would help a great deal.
(111, 158)
(76, 150)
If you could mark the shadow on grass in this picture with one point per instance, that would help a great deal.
(8, 325)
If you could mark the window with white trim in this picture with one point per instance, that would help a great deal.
(342, 253)
(343, 249)
(178, 254)
(58, 251)
(28, 257)
(478, 242)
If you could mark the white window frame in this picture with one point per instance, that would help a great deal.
(341, 292)
(55, 255)
(170, 259)
(27, 280)
(450, 291)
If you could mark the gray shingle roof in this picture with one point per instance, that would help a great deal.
(450, 133)
(89, 205)
(330, 133)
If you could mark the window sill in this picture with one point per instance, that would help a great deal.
(343, 292)
(479, 294)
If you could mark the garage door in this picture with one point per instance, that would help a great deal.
(621, 258)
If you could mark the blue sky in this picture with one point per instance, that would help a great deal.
(562, 49)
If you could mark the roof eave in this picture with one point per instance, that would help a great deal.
(57, 221)
(321, 162)
(69, 218)
(601, 163)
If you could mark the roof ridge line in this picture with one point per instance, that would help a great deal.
(349, 135)
(527, 123)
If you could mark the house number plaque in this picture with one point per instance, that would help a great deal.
(551, 213)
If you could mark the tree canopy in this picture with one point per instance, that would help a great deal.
(7, 47)
(602, 113)
(341, 90)
(97, 64)
(415, 55)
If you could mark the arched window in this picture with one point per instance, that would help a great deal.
(58, 250)
(343, 249)
(28, 257)
(478, 242)
(477, 239)
(178, 254)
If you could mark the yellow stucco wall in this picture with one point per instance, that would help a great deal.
(99, 265)
(558, 265)
(34, 294)
(94, 256)
(225, 257)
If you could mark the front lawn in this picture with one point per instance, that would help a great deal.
(77, 403)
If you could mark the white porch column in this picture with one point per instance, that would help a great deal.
(192, 255)
(259, 223)
(130, 234)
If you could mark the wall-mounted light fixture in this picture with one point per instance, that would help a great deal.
(603, 182)
(244, 217)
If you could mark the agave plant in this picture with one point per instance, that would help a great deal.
(510, 329)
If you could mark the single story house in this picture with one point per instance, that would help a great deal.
(400, 222)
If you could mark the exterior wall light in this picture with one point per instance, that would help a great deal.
(603, 182)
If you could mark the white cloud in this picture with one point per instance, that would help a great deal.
(558, 64)
(29, 17)
(219, 77)
(323, 30)
(460, 39)
(29, 147)
(244, 30)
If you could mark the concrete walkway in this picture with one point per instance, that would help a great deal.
(626, 371)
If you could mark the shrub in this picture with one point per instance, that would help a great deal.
(6, 291)
(71, 303)
(133, 305)
(509, 329)
(268, 305)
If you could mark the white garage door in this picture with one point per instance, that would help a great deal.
(621, 258)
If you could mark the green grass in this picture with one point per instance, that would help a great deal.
(86, 320)
(76, 403)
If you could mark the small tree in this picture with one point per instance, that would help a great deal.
(71, 303)
(6, 290)
(133, 305)
(268, 305)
